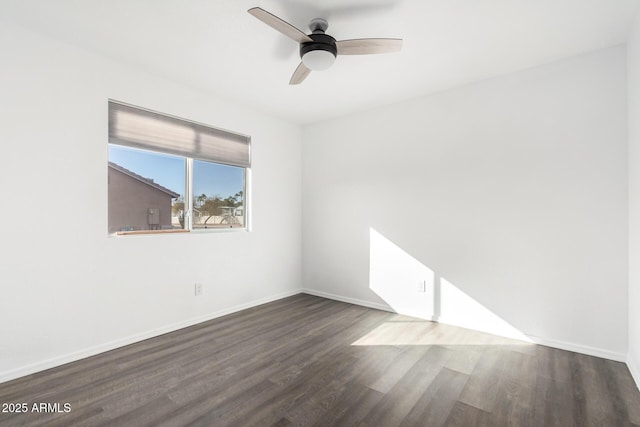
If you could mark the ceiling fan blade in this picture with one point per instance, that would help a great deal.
(279, 25)
(299, 74)
(368, 46)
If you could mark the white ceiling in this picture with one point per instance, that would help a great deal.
(217, 47)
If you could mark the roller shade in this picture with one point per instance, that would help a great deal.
(139, 128)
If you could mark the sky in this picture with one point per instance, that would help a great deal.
(208, 178)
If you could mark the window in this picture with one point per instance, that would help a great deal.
(172, 175)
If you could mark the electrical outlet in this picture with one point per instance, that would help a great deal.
(422, 286)
(198, 289)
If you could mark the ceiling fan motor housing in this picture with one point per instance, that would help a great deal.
(321, 41)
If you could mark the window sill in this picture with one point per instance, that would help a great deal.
(137, 232)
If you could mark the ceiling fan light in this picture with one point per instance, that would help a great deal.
(318, 60)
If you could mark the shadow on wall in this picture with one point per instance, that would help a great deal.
(433, 297)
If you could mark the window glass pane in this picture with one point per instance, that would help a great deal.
(146, 190)
(218, 195)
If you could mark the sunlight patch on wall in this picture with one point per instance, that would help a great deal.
(411, 288)
(458, 308)
(399, 279)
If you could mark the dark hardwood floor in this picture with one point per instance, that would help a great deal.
(305, 360)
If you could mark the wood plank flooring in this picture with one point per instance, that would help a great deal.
(309, 361)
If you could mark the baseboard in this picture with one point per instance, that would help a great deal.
(341, 298)
(92, 351)
(579, 348)
(562, 345)
(634, 369)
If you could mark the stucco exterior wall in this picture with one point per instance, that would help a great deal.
(130, 201)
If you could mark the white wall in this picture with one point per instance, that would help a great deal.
(633, 61)
(511, 193)
(68, 289)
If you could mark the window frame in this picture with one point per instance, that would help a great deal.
(188, 198)
(188, 170)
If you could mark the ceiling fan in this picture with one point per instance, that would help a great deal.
(318, 50)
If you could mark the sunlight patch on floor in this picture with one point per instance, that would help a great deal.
(404, 331)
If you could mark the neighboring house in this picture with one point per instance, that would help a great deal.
(137, 203)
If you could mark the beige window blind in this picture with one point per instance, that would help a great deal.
(149, 130)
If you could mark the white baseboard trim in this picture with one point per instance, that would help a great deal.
(579, 348)
(562, 345)
(101, 348)
(634, 369)
(355, 301)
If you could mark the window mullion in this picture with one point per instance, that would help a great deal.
(188, 192)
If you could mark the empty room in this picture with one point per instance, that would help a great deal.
(360, 212)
